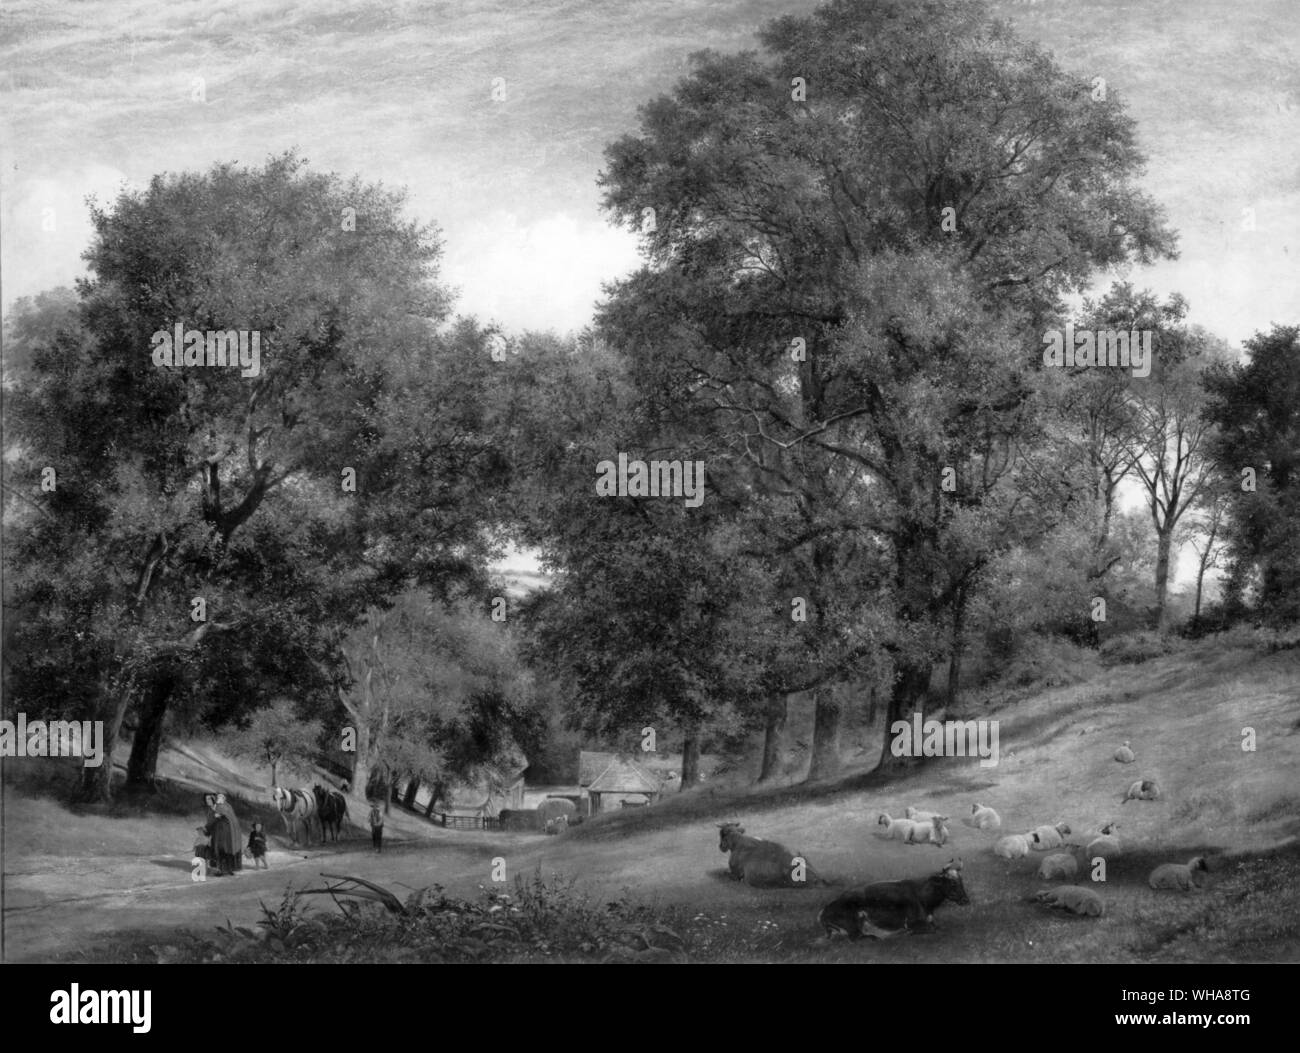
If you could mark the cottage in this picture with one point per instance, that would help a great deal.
(622, 780)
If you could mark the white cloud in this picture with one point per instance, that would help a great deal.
(35, 258)
(541, 275)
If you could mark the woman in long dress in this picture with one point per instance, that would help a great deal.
(223, 831)
(235, 858)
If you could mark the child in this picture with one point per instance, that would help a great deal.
(257, 846)
(376, 826)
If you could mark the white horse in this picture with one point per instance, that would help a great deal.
(295, 806)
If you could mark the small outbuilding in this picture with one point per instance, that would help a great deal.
(622, 780)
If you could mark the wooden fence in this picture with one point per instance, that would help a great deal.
(467, 822)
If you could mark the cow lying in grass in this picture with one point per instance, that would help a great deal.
(886, 908)
(764, 864)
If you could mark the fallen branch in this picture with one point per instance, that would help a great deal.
(369, 890)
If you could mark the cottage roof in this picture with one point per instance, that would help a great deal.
(591, 763)
(625, 776)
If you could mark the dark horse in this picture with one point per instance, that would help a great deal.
(331, 810)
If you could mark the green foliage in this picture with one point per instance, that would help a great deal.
(279, 736)
(1256, 405)
(179, 482)
(1132, 647)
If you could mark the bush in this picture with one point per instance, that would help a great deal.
(1134, 647)
(1048, 661)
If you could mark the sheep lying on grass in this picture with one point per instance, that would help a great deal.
(1180, 876)
(1057, 867)
(982, 818)
(1015, 846)
(1143, 790)
(1124, 755)
(1106, 846)
(894, 829)
(1073, 898)
(1050, 837)
(934, 832)
(919, 814)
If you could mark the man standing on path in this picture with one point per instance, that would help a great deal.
(376, 826)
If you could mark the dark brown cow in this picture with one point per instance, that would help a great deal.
(764, 864)
(886, 908)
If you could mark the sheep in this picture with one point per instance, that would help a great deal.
(1050, 837)
(1015, 846)
(894, 829)
(1073, 898)
(1106, 845)
(1058, 866)
(934, 832)
(919, 814)
(982, 818)
(1143, 790)
(1180, 876)
(1124, 755)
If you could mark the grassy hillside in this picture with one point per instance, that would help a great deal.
(85, 884)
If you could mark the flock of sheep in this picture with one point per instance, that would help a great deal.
(905, 905)
(1066, 858)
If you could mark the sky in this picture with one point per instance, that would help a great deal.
(494, 114)
(102, 94)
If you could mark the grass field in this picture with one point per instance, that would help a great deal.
(117, 886)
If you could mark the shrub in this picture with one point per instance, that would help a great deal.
(1130, 648)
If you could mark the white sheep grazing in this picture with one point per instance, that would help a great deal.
(1124, 755)
(982, 818)
(1074, 898)
(1180, 876)
(919, 814)
(1050, 836)
(1057, 867)
(934, 832)
(1014, 846)
(894, 829)
(1143, 790)
(1106, 846)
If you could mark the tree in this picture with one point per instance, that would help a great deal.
(1174, 464)
(278, 735)
(1256, 407)
(351, 458)
(844, 292)
(1206, 530)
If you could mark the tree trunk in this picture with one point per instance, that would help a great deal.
(690, 759)
(142, 766)
(96, 785)
(911, 683)
(826, 733)
(1163, 543)
(412, 788)
(773, 735)
(955, 655)
(275, 766)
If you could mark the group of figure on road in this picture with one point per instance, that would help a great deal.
(222, 849)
